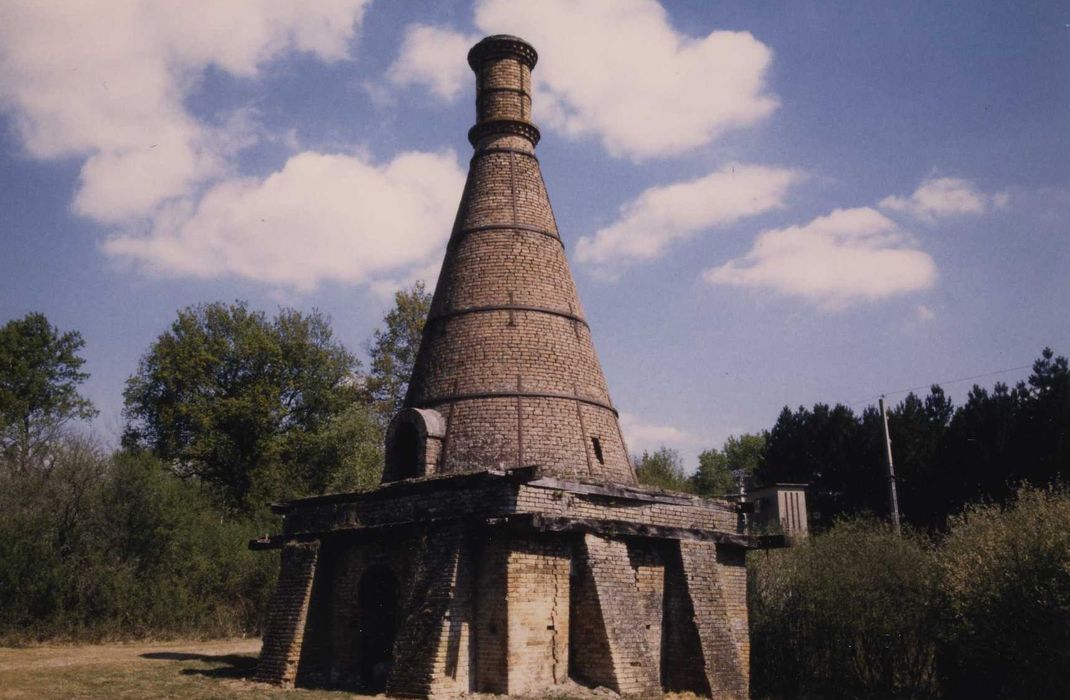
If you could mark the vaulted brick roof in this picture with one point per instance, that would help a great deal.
(507, 356)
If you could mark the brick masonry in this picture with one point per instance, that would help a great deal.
(507, 356)
(285, 629)
(509, 549)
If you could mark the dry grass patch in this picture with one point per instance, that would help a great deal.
(217, 670)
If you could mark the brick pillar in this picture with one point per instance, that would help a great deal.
(431, 650)
(716, 580)
(608, 582)
(285, 626)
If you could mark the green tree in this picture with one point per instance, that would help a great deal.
(40, 372)
(393, 350)
(834, 451)
(118, 546)
(250, 405)
(721, 471)
(662, 468)
(918, 428)
(1045, 423)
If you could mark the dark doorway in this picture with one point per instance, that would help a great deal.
(406, 450)
(377, 605)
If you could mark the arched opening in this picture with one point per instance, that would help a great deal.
(377, 605)
(413, 444)
(407, 450)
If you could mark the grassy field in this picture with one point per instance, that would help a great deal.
(210, 670)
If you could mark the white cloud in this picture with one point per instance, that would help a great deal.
(665, 214)
(834, 261)
(105, 82)
(612, 69)
(322, 217)
(434, 58)
(924, 313)
(943, 197)
(641, 435)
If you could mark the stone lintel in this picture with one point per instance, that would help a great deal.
(523, 499)
(623, 528)
(629, 493)
(542, 523)
(529, 474)
(404, 487)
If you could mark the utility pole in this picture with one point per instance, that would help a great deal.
(891, 467)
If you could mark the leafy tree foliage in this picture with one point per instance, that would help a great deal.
(720, 472)
(662, 468)
(393, 350)
(254, 407)
(119, 547)
(40, 372)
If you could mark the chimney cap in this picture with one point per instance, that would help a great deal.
(502, 46)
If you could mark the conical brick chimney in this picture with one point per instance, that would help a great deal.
(507, 374)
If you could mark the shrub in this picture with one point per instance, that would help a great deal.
(1006, 576)
(104, 547)
(846, 614)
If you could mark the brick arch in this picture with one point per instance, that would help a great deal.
(413, 444)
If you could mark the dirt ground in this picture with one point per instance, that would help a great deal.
(186, 669)
(214, 670)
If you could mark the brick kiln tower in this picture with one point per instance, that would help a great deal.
(507, 359)
(509, 548)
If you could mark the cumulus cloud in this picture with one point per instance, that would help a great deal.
(434, 58)
(322, 217)
(641, 435)
(615, 70)
(943, 197)
(662, 215)
(834, 261)
(106, 81)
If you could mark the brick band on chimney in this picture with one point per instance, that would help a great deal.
(502, 65)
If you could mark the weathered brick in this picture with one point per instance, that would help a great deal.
(520, 554)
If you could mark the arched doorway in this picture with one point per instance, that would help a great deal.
(377, 607)
(407, 451)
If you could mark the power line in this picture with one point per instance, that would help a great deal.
(941, 383)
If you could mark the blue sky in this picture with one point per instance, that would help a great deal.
(764, 203)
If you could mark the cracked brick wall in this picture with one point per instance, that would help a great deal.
(610, 586)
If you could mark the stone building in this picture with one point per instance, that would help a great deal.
(509, 548)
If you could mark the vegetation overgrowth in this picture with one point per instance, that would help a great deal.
(230, 409)
(858, 611)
